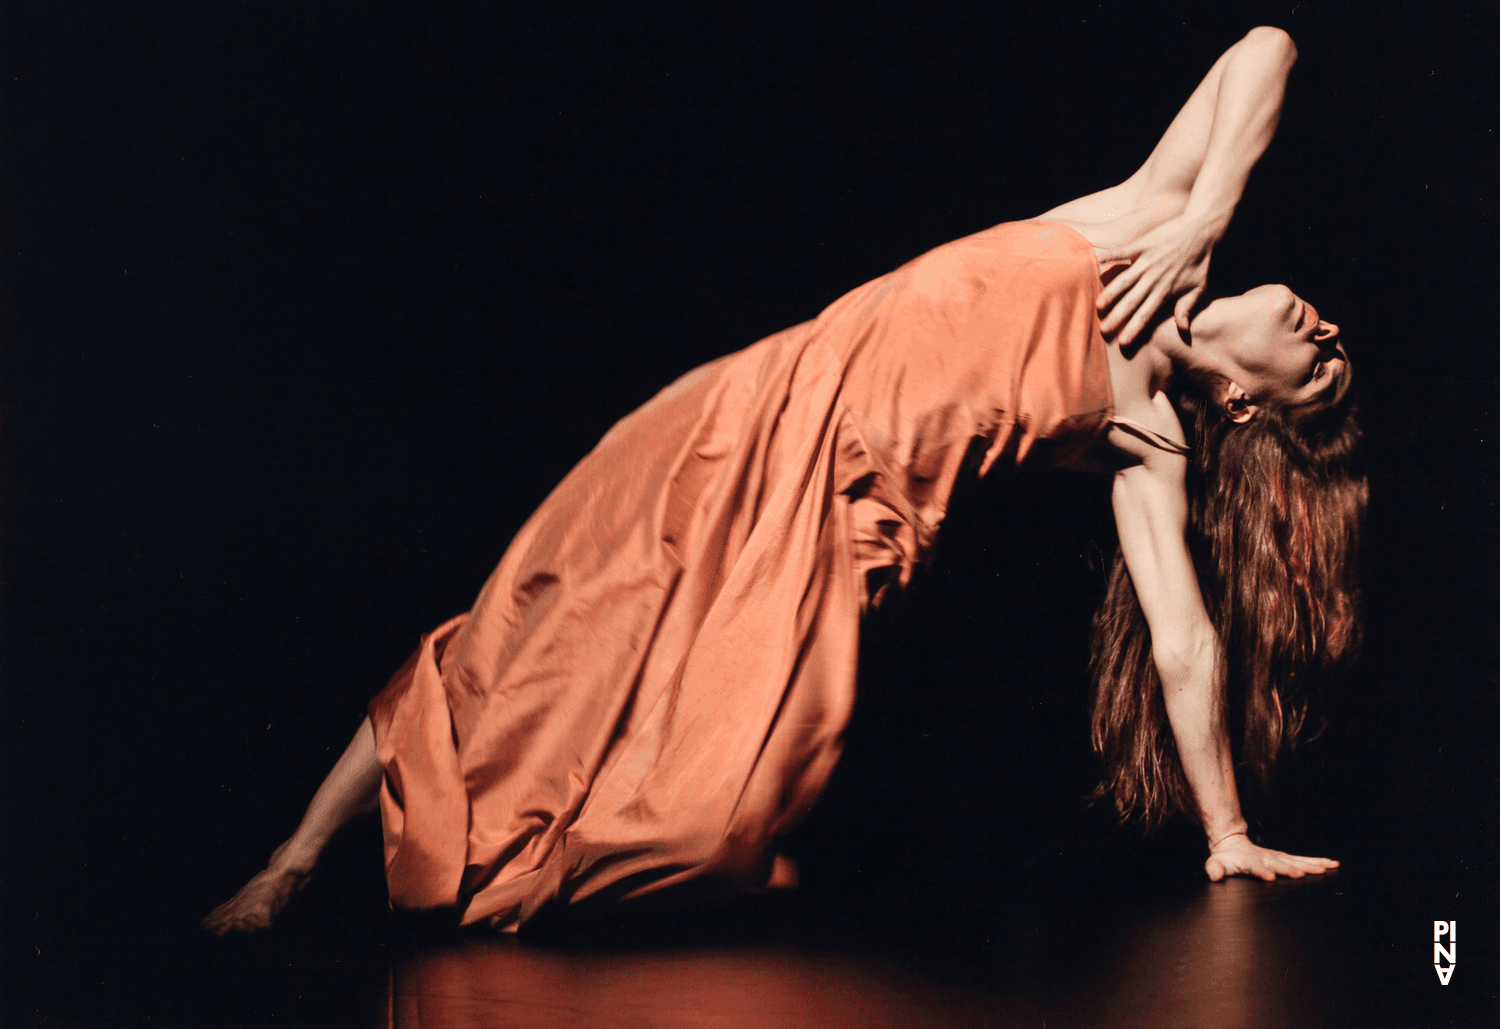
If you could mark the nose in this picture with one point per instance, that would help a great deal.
(1326, 331)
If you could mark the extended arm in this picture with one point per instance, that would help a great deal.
(1167, 217)
(1204, 159)
(1151, 511)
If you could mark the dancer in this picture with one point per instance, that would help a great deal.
(652, 686)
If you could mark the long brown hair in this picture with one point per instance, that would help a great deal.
(1275, 505)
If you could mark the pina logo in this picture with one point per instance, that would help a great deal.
(1448, 953)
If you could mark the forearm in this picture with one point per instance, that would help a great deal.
(1247, 109)
(1194, 695)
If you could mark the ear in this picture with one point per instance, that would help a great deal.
(1237, 404)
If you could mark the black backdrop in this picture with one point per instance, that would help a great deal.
(309, 305)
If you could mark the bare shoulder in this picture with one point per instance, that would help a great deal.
(1086, 214)
(1136, 448)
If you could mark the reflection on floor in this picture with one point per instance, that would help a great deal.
(1228, 957)
(486, 984)
(1081, 944)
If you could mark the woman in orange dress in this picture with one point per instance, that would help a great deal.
(652, 686)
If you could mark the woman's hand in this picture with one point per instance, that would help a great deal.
(1238, 856)
(1169, 262)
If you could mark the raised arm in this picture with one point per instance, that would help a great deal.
(1150, 506)
(1167, 217)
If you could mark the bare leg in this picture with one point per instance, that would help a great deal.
(351, 789)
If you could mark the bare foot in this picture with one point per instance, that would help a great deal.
(260, 900)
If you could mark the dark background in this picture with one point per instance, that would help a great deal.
(309, 305)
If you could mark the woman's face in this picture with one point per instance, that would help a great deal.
(1274, 346)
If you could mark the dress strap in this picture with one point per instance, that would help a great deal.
(1150, 436)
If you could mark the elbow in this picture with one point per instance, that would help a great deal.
(1185, 657)
(1275, 43)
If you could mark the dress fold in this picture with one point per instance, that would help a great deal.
(653, 685)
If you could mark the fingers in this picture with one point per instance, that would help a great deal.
(1307, 864)
(1185, 305)
(1126, 308)
(1128, 302)
(1111, 256)
(1312, 866)
(1151, 299)
(1134, 298)
(1141, 319)
(1121, 284)
(1266, 865)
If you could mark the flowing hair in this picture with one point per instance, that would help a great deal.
(1275, 505)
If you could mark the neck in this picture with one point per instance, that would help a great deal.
(1174, 355)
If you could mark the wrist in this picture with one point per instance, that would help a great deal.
(1225, 834)
(1208, 219)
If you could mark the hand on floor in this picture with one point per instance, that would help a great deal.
(1238, 856)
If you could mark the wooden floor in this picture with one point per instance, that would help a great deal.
(1234, 955)
(1086, 946)
(491, 984)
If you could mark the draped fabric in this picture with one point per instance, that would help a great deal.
(653, 684)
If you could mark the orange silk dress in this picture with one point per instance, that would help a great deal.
(653, 684)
